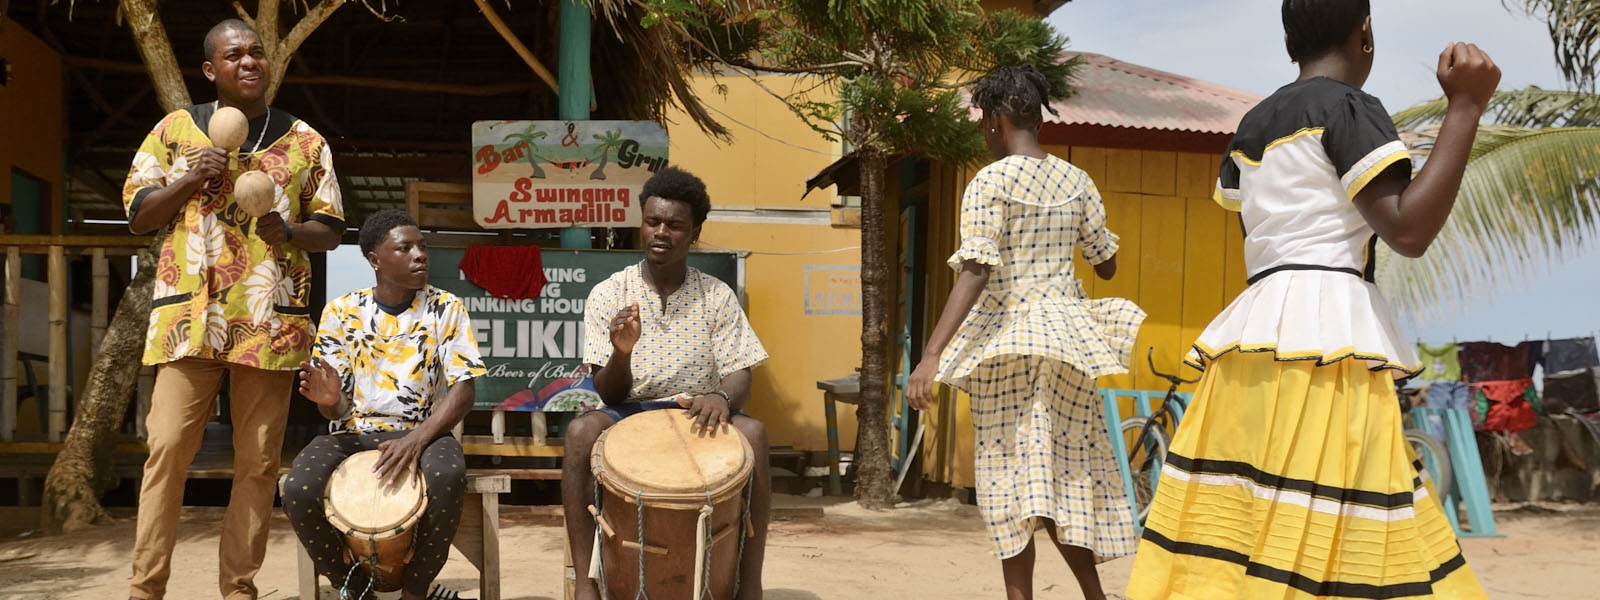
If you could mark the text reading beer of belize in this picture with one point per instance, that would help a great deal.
(542, 174)
(558, 337)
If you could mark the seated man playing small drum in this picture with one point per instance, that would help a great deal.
(395, 367)
(658, 330)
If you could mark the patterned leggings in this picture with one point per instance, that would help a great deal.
(443, 468)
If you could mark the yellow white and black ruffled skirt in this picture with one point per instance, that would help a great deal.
(1290, 476)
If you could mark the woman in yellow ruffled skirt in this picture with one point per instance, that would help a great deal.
(1290, 476)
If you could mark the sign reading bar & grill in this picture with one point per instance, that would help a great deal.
(549, 174)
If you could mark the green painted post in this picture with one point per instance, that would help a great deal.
(572, 71)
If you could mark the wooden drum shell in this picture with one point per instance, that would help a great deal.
(671, 518)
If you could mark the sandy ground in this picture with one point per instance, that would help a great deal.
(921, 551)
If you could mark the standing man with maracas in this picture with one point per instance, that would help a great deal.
(226, 300)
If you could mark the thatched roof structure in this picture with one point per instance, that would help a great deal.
(396, 99)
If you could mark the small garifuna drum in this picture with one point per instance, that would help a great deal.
(375, 519)
(672, 508)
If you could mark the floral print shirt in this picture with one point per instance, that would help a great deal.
(220, 292)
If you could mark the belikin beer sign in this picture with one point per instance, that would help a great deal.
(547, 174)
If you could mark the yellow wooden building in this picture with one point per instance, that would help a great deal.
(1152, 141)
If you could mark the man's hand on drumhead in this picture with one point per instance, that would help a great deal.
(399, 457)
(320, 383)
(625, 329)
(709, 413)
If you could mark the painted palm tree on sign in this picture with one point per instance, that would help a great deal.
(527, 137)
(609, 141)
(1531, 193)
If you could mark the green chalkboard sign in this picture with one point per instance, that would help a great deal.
(533, 348)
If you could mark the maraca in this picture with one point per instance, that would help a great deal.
(255, 192)
(228, 128)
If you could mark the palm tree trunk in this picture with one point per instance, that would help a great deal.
(82, 470)
(874, 477)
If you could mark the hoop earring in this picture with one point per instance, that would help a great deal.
(1367, 48)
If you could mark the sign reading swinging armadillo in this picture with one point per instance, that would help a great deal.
(549, 174)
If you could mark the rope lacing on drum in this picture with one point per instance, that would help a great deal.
(705, 541)
(638, 500)
(744, 522)
(344, 588)
(594, 551)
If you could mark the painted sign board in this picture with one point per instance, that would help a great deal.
(551, 174)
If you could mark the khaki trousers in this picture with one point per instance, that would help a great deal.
(180, 407)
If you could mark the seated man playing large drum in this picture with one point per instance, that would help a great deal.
(395, 365)
(658, 330)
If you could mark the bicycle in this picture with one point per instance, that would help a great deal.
(1431, 452)
(1148, 449)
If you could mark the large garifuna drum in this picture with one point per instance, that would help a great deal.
(672, 507)
(376, 520)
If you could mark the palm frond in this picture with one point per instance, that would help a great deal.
(1528, 107)
(1530, 197)
(1574, 27)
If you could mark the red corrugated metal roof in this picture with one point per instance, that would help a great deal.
(1114, 93)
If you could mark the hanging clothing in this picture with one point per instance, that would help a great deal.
(1290, 476)
(1449, 394)
(515, 272)
(1570, 355)
(1490, 361)
(1439, 363)
(1508, 406)
(1577, 390)
(1029, 352)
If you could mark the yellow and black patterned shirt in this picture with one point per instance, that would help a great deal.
(394, 368)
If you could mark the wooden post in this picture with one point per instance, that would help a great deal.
(8, 346)
(101, 297)
(58, 342)
(498, 427)
(573, 22)
(541, 428)
(489, 574)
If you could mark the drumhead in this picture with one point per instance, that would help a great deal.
(657, 451)
(362, 502)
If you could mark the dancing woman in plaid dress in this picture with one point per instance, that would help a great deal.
(1019, 336)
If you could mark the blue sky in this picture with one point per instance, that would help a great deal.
(1239, 43)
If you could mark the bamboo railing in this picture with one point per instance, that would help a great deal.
(57, 248)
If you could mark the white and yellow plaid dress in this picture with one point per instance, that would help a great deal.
(1029, 352)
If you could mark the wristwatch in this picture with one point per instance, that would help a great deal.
(724, 396)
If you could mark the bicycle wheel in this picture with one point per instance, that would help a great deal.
(1435, 459)
(1147, 449)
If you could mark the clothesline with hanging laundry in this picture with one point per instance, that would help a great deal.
(1495, 382)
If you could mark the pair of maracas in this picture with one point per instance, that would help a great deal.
(254, 191)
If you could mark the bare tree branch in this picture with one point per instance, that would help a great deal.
(150, 37)
(244, 15)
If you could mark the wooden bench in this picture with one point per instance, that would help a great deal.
(478, 537)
